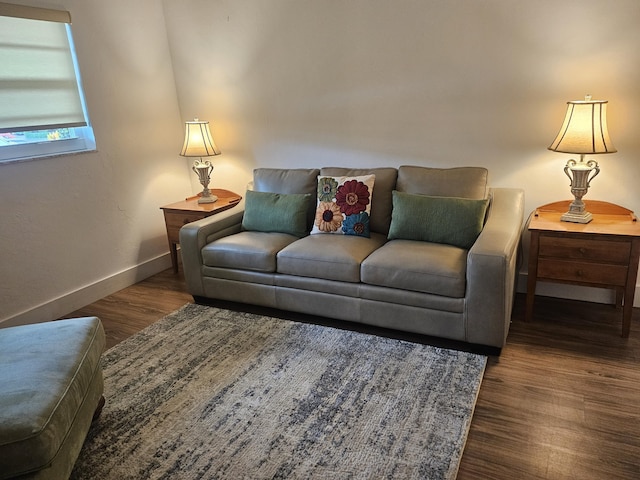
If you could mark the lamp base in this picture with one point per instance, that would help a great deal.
(573, 217)
(203, 170)
(207, 197)
(581, 175)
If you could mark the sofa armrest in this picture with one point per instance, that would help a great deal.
(491, 269)
(194, 236)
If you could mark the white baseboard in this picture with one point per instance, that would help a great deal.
(77, 299)
(574, 292)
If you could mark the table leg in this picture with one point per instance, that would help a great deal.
(619, 296)
(173, 248)
(532, 275)
(630, 289)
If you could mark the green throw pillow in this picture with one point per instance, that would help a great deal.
(449, 220)
(276, 212)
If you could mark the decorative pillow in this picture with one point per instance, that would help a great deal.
(344, 205)
(386, 177)
(450, 220)
(276, 212)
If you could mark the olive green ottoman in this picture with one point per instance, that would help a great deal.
(50, 388)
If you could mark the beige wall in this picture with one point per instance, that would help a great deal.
(304, 83)
(426, 82)
(430, 82)
(75, 228)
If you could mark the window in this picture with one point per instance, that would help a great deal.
(43, 110)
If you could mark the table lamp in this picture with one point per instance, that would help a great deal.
(198, 142)
(583, 131)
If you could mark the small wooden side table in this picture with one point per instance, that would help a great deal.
(178, 214)
(602, 253)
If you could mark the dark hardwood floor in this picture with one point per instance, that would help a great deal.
(562, 401)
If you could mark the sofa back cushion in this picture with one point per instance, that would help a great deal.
(381, 201)
(461, 182)
(288, 180)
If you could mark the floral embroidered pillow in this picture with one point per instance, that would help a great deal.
(344, 205)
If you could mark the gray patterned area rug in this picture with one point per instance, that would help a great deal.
(209, 393)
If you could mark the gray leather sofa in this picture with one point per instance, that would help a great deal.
(425, 287)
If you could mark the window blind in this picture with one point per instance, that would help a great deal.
(38, 85)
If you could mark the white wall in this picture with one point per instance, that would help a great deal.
(427, 82)
(75, 228)
(380, 82)
(304, 83)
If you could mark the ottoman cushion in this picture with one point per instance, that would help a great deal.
(51, 384)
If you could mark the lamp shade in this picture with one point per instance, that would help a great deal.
(584, 129)
(198, 141)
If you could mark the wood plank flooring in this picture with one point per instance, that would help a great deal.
(562, 401)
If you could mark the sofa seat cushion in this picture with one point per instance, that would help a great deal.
(51, 381)
(330, 257)
(247, 251)
(418, 266)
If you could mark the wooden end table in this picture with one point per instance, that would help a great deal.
(178, 214)
(602, 253)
